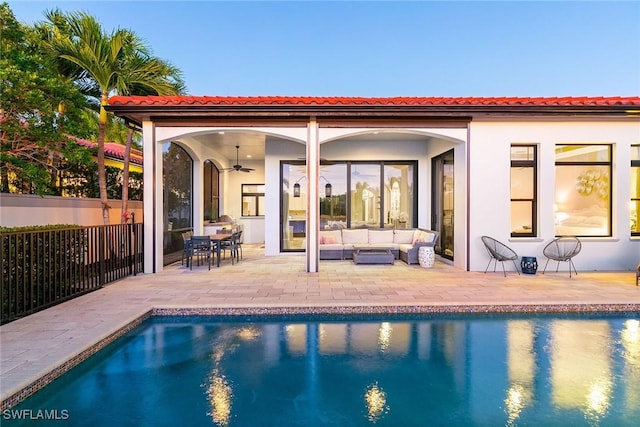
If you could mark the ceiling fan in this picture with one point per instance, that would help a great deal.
(238, 166)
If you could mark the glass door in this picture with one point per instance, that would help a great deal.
(442, 193)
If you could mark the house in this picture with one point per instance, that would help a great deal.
(114, 154)
(522, 170)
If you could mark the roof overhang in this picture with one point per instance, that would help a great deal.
(291, 110)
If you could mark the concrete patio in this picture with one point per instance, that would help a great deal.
(37, 348)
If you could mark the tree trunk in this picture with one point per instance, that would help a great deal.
(125, 177)
(102, 174)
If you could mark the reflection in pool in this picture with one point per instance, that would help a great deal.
(409, 370)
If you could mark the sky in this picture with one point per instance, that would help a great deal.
(383, 48)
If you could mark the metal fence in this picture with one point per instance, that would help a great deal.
(44, 268)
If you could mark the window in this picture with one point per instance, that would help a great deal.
(177, 186)
(252, 199)
(583, 190)
(524, 179)
(634, 204)
(363, 195)
(211, 192)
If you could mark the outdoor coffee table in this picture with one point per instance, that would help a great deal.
(372, 255)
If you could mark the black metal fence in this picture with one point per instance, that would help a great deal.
(44, 268)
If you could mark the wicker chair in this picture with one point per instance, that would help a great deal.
(562, 249)
(499, 252)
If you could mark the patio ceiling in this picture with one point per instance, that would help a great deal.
(252, 144)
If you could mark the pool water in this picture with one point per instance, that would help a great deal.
(472, 370)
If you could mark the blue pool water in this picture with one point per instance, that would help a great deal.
(475, 370)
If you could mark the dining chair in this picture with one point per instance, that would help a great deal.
(186, 246)
(230, 245)
(200, 250)
(240, 238)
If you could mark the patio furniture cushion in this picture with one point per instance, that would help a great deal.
(403, 236)
(380, 236)
(421, 236)
(329, 237)
(355, 237)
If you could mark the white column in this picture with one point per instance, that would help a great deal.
(152, 214)
(313, 206)
(198, 197)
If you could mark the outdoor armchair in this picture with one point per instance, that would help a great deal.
(499, 252)
(562, 249)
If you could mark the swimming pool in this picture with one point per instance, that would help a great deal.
(355, 371)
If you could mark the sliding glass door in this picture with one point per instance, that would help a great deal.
(442, 193)
(352, 195)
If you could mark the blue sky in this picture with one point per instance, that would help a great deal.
(380, 48)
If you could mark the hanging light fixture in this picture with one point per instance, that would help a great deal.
(328, 188)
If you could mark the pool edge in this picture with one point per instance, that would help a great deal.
(18, 396)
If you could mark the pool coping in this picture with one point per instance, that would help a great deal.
(15, 397)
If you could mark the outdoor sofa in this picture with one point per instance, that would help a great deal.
(404, 244)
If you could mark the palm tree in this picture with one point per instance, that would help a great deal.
(116, 62)
(145, 76)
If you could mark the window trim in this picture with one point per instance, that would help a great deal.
(534, 201)
(635, 163)
(254, 194)
(608, 163)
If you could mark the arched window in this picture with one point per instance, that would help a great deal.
(211, 191)
(177, 196)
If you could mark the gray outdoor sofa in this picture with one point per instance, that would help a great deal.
(404, 244)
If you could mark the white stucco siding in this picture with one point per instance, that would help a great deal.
(489, 188)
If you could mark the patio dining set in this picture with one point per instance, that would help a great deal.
(201, 250)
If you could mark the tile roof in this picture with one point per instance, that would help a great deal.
(374, 101)
(113, 149)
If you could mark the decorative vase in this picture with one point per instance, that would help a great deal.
(529, 265)
(426, 256)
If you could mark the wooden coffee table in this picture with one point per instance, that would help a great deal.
(372, 255)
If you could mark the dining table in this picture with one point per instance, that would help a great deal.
(216, 239)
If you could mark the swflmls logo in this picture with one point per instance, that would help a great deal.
(40, 414)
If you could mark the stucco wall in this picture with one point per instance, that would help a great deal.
(19, 210)
(489, 189)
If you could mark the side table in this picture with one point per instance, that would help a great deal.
(426, 256)
(529, 265)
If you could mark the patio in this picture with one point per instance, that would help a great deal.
(52, 339)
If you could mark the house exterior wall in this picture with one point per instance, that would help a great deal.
(489, 188)
(482, 179)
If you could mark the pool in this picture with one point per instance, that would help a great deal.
(405, 370)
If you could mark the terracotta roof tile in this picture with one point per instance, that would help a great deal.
(113, 149)
(373, 101)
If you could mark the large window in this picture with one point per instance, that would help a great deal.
(211, 187)
(177, 200)
(583, 190)
(634, 204)
(524, 178)
(252, 199)
(352, 195)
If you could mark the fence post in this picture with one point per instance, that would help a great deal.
(101, 254)
(130, 258)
